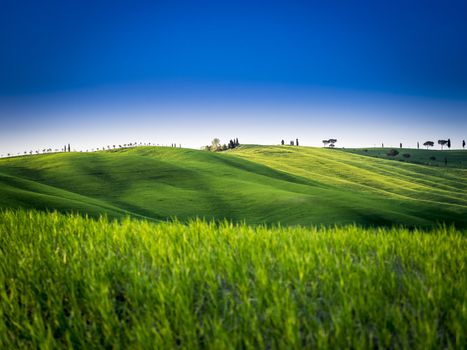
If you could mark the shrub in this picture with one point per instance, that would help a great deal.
(432, 158)
(406, 155)
(392, 152)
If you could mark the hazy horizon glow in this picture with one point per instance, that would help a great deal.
(100, 73)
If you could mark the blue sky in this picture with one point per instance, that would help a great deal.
(101, 72)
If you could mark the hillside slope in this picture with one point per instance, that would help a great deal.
(433, 157)
(256, 184)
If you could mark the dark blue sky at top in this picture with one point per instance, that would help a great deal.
(399, 47)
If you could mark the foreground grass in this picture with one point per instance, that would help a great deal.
(72, 282)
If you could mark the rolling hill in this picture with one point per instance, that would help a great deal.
(443, 158)
(255, 184)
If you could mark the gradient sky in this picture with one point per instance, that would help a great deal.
(93, 73)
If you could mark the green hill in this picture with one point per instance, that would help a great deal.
(256, 184)
(443, 158)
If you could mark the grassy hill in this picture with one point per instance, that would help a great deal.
(442, 158)
(256, 184)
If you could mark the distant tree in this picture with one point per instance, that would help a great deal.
(291, 143)
(418, 145)
(296, 142)
(325, 142)
(406, 155)
(69, 148)
(382, 145)
(332, 145)
(237, 143)
(442, 143)
(449, 143)
(400, 145)
(429, 144)
(282, 142)
(224, 147)
(463, 143)
(215, 144)
(432, 158)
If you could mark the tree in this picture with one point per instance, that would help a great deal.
(215, 143)
(400, 145)
(449, 143)
(418, 145)
(325, 142)
(463, 143)
(282, 142)
(442, 143)
(382, 145)
(296, 141)
(69, 148)
(428, 144)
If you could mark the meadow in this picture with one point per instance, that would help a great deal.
(260, 247)
(432, 157)
(67, 281)
(252, 184)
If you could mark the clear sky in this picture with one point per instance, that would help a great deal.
(93, 73)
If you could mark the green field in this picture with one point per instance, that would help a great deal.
(442, 158)
(252, 184)
(294, 247)
(72, 282)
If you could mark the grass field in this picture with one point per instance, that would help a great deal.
(255, 184)
(442, 158)
(72, 282)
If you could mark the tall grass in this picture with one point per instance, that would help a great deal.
(72, 282)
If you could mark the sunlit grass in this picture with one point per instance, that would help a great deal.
(68, 281)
